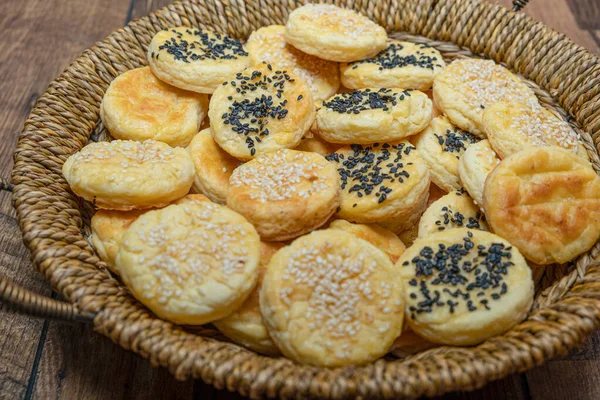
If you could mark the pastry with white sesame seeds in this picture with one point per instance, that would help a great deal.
(267, 44)
(466, 87)
(138, 106)
(464, 286)
(108, 226)
(441, 145)
(474, 166)
(368, 116)
(314, 143)
(195, 59)
(214, 167)
(333, 33)
(454, 210)
(400, 65)
(331, 299)
(245, 325)
(385, 240)
(259, 110)
(286, 193)
(129, 175)
(382, 183)
(190, 263)
(514, 126)
(546, 201)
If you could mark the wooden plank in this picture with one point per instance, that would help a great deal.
(510, 388)
(142, 8)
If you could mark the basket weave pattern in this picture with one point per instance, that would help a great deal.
(54, 221)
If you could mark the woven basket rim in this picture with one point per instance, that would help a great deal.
(48, 216)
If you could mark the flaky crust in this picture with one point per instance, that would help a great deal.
(350, 117)
(314, 143)
(381, 182)
(213, 167)
(385, 240)
(138, 106)
(466, 87)
(464, 286)
(454, 210)
(245, 325)
(267, 44)
(334, 33)
(195, 60)
(546, 201)
(474, 166)
(259, 110)
(441, 145)
(285, 194)
(403, 65)
(514, 126)
(127, 175)
(331, 299)
(190, 263)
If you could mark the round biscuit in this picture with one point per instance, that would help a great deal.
(464, 286)
(330, 299)
(474, 166)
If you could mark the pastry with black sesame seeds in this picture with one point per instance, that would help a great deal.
(464, 286)
(333, 33)
(245, 325)
(330, 299)
(514, 126)
(108, 226)
(381, 183)
(385, 240)
(441, 145)
(259, 110)
(474, 166)
(464, 89)
(400, 65)
(195, 59)
(285, 193)
(213, 165)
(267, 44)
(190, 264)
(368, 116)
(546, 201)
(138, 106)
(128, 175)
(454, 210)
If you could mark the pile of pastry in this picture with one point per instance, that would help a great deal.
(302, 192)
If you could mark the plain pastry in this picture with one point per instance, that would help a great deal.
(314, 143)
(138, 106)
(267, 44)
(259, 110)
(373, 115)
(385, 240)
(213, 167)
(409, 235)
(381, 182)
(514, 126)
(454, 210)
(464, 286)
(286, 193)
(245, 325)
(330, 299)
(334, 33)
(190, 263)
(195, 59)
(466, 87)
(474, 166)
(127, 175)
(546, 201)
(441, 145)
(400, 65)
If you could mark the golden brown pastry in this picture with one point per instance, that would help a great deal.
(474, 166)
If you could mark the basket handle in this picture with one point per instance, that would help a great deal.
(18, 299)
(518, 5)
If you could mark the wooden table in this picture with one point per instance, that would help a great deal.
(42, 359)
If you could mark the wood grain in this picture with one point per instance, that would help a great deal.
(49, 360)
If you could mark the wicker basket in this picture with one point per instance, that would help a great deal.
(54, 222)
